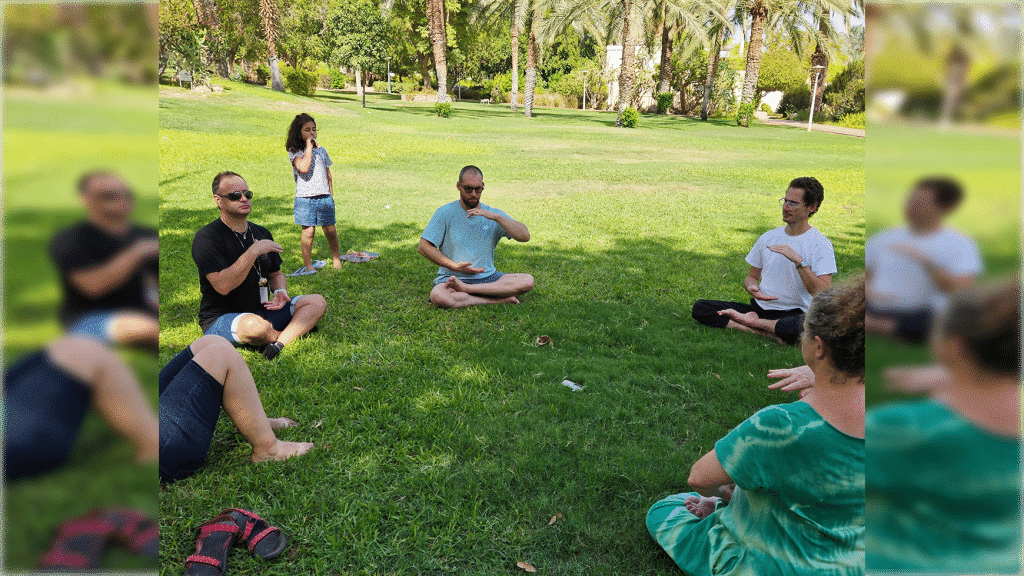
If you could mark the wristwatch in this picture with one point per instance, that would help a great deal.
(803, 264)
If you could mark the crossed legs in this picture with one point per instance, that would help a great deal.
(454, 293)
(135, 329)
(254, 330)
(242, 402)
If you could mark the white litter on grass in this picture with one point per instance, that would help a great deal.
(572, 385)
(387, 206)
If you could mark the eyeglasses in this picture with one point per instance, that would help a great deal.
(115, 196)
(789, 203)
(473, 189)
(236, 196)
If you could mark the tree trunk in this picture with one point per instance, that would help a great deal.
(820, 58)
(627, 74)
(268, 17)
(531, 68)
(514, 95)
(424, 61)
(439, 43)
(758, 14)
(665, 74)
(362, 84)
(957, 65)
(275, 72)
(709, 80)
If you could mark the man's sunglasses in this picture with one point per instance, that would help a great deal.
(236, 196)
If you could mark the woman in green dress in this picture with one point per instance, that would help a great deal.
(797, 507)
(943, 474)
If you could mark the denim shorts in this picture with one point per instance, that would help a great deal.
(485, 280)
(315, 210)
(96, 324)
(190, 401)
(226, 325)
(43, 409)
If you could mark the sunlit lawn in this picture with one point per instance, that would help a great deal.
(445, 440)
(113, 129)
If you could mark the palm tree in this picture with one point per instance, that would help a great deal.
(516, 11)
(268, 16)
(824, 40)
(439, 45)
(718, 35)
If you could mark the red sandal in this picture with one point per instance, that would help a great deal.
(263, 540)
(215, 539)
(79, 543)
(135, 531)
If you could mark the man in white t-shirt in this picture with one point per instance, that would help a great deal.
(788, 265)
(911, 269)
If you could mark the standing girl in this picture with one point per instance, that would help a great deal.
(314, 191)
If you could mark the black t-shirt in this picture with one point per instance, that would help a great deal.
(84, 246)
(215, 248)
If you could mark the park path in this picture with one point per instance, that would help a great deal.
(819, 127)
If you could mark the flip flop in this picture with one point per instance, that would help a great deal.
(215, 539)
(79, 543)
(135, 531)
(318, 264)
(263, 540)
(303, 271)
(359, 256)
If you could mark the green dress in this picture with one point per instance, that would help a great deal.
(798, 507)
(942, 494)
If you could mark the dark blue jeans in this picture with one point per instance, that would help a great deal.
(190, 401)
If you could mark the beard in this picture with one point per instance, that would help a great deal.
(470, 204)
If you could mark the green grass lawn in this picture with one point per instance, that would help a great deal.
(987, 163)
(445, 440)
(108, 130)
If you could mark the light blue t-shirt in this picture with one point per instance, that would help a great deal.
(464, 239)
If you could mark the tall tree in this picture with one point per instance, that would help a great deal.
(436, 19)
(209, 16)
(268, 17)
(532, 56)
(358, 37)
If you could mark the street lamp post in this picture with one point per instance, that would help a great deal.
(810, 115)
(389, 74)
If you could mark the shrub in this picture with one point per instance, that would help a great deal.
(766, 108)
(852, 120)
(799, 98)
(665, 100)
(443, 109)
(300, 82)
(745, 114)
(630, 117)
(263, 74)
(396, 87)
(337, 80)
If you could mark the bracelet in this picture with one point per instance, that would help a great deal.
(281, 290)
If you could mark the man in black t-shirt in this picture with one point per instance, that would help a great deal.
(108, 267)
(244, 293)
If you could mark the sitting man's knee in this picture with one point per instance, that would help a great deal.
(314, 302)
(527, 284)
(209, 340)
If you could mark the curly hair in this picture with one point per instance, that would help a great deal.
(836, 316)
(295, 142)
(814, 192)
(987, 319)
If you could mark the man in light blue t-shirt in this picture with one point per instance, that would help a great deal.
(460, 238)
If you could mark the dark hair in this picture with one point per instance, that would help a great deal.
(836, 316)
(814, 193)
(987, 319)
(948, 192)
(470, 170)
(219, 177)
(295, 142)
(86, 179)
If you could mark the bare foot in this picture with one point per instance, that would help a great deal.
(701, 506)
(455, 284)
(282, 451)
(337, 263)
(726, 492)
(747, 319)
(279, 423)
(510, 300)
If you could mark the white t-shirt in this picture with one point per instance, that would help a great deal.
(898, 282)
(780, 277)
(314, 181)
